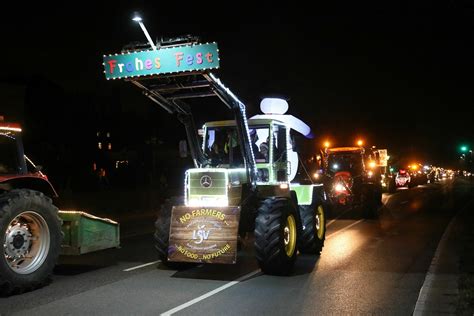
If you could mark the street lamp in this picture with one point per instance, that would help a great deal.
(360, 142)
(137, 18)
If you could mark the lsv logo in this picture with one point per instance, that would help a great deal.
(200, 234)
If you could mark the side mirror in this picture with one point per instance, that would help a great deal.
(38, 168)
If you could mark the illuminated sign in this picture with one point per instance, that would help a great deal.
(204, 234)
(383, 157)
(162, 61)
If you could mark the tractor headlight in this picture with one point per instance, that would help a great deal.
(339, 187)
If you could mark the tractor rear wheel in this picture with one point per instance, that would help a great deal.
(276, 229)
(31, 242)
(313, 219)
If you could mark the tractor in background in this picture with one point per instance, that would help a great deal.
(352, 179)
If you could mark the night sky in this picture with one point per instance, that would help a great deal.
(398, 75)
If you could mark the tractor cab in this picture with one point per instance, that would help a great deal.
(349, 160)
(16, 169)
(269, 147)
(271, 144)
(12, 160)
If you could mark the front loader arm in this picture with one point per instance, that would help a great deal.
(240, 116)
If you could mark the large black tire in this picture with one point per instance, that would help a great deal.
(30, 227)
(313, 233)
(162, 233)
(392, 186)
(378, 196)
(274, 256)
(371, 202)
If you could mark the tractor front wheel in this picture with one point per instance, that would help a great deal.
(276, 229)
(162, 233)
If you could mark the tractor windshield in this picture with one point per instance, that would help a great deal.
(8, 154)
(351, 162)
(222, 145)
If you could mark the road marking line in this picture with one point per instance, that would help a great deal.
(429, 277)
(209, 294)
(232, 283)
(343, 229)
(337, 217)
(141, 266)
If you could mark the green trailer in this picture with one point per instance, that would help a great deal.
(84, 233)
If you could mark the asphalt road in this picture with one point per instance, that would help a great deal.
(367, 267)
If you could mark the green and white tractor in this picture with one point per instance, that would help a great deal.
(244, 177)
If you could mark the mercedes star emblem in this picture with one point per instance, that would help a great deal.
(206, 181)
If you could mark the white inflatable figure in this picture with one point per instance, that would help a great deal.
(274, 108)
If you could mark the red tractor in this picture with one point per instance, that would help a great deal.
(352, 179)
(31, 227)
(29, 221)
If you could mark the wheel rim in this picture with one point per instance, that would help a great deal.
(320, 222)
(26, 242)
(289, 235)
